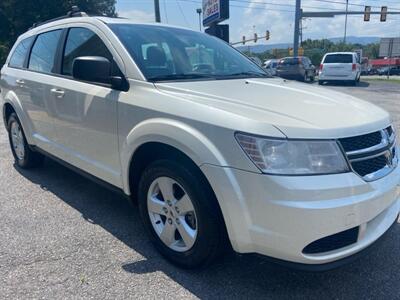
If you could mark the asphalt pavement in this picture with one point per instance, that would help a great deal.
(64, 237)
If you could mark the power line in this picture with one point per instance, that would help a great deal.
(239, 6)
(183, 15)
(354, 4)
(165, 11)
(280, 4)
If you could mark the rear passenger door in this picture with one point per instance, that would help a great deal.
(85, 114)
(36, 85)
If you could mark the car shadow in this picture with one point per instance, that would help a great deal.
(233, 276)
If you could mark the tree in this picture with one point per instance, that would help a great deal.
(17, 16)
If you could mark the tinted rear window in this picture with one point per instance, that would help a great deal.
(338, 58)
(18, 57)
(289, 61)
(44, 51)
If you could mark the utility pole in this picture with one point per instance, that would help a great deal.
(301, 32)
(297, 28)
(199, 11)
(157, 10)
(345, 22)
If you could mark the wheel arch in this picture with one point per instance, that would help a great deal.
(171, 136)
(8, 109)
(12, 104)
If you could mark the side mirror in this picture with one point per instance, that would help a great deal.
(92, 68)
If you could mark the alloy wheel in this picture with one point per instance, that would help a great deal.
(172, 214)
(17, 140)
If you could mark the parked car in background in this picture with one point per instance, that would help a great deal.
(389, 71)
(340, 67)
(299, 68)
(217, 154)
(270, 65)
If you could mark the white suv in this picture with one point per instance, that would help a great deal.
(340, 66)
(216, 153)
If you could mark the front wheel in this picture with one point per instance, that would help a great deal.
(181, 214)
(24, 156)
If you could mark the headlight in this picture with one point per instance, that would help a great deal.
(293, 157)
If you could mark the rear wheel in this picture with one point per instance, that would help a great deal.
(23, 155)
(181, 214)
(320, 82)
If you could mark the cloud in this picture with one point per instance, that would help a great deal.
(137, 15)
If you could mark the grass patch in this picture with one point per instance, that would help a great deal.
(391, 80)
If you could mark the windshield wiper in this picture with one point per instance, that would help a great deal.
(247, 74)
(179, 76)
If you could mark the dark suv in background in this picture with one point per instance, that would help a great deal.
(299, 68)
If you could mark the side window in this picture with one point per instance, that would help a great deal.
(82, 42)
(44, 51)
(18, 57)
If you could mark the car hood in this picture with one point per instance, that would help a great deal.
(298, 110)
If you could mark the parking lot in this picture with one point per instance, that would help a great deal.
(62, 236)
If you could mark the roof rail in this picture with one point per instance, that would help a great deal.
(74, 12)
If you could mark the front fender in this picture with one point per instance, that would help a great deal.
(174, 133)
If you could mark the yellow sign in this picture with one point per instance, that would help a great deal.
(300, 51)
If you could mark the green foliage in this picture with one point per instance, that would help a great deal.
(315, 50)
(17, 16)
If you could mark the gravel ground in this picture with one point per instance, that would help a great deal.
(62, 236)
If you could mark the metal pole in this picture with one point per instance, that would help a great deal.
(199, 11)
(296, 28)
(345, 22)
(157, 10)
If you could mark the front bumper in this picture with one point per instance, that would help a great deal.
(279, 216)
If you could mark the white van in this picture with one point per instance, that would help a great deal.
(340, 66)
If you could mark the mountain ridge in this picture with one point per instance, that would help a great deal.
(363, 40)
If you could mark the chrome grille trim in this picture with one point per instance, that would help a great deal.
(387, 148)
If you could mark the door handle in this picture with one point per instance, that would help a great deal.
(20, 82)
(58, 92)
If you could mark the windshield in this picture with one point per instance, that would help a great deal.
(338, 58)
(165, 53)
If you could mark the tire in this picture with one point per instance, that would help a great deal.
(24, 156)
(320, 82)
(312, 78)
(206, 226)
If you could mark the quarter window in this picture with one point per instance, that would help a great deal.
(82, 42)
(18, 57)
(44, 52)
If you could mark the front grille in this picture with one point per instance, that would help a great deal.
(333, 242)
(371, 155)
(361, 141)
(369, 166)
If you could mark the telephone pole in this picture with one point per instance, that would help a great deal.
(345, 22)
(157, 10)
(297, 28)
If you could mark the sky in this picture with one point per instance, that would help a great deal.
(277, 16)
